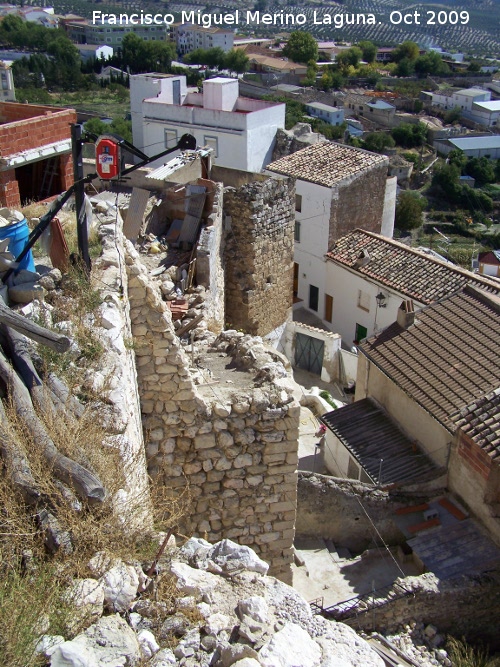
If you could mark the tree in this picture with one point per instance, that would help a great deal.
(446, 178)
(378, 141)
(407, 49)
(431, 63)
(409, 210)
(452, 116)
(349, 58)
(410, 135)
(369, 51)
(457, 158)
(481, 169)
(405, 67)
(237, 61)
(301, 47)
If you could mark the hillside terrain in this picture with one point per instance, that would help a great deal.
(441, 23)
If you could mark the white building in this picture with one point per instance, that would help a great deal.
(189, 36)
(485, 113)
(463, 99)
(111, 34)
(241, 132)
(338, 188)
(88, 51)
(368, 276)
(7, 91)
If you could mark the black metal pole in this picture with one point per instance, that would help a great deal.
(81, 218)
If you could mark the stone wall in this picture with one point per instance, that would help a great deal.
(209, 263)
(358, 202)
(333, 508)
(259, 254)
(221, 421)
(467, 607)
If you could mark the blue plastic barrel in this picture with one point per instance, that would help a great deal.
(18, 234)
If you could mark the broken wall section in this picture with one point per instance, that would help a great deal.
(260, 226)
(209, 264)
(223, 422)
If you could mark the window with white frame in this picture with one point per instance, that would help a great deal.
(171, 138)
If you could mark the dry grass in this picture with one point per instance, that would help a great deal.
(464, 655)
(31, 582)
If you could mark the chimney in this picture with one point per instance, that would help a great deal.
(362, 259)
(406, 314)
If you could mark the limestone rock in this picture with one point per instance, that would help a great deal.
(164, 658)
(147, 642)
(110, 641)
(47, 644)
(120, 584)
(290, 647)
(87, 596)
(193, 582)
(230, 558)
(255, 608)
(233, 653)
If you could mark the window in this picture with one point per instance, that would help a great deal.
(297, 231)
(170, 138)
(212, 142)
(298, 203)
(5, 83)
(295, 279)
(363, 300)
(313, 297)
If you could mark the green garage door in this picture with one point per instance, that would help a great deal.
(309, 353)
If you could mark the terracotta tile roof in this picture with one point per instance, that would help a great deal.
(327, 163)
(406, 270)
(480, 420)
(448, 358)
(370, 435)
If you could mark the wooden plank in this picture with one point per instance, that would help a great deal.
(190, 325)
(452, 509)
(423, 525)
(55, 341)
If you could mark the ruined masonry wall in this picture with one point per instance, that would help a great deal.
(358, 202)
(259, 255)
(238, 456)
(209, 268)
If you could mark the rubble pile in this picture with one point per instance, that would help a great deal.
(225, 611)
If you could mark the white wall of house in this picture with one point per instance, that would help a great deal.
(486, 113)
(240, 132)
(489, 269)
(463, 102)
(354, 302)
(332, 342)
(389, 212)
(309, 252)
(418, 425)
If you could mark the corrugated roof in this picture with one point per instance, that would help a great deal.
(406, 270)
(371, 437)
(380, 104)
(323, 107)
(493, 105)
(480, 420)
(448, 358)
(470, 143)
(327, 163)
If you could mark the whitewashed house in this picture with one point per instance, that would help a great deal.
(240, 131)
(368, 276)
(338, 188)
